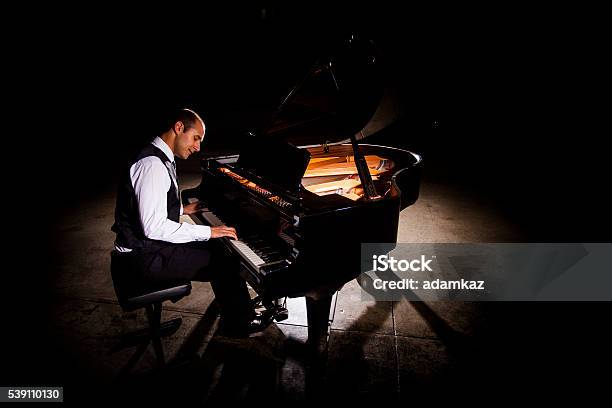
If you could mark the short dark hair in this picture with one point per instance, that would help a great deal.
(188, 117)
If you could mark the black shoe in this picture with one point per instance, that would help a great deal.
(259, 323)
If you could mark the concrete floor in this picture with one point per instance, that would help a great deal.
(376, 349)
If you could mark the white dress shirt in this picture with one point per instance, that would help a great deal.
(151, 181)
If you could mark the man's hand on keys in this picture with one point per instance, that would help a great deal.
(223, 231)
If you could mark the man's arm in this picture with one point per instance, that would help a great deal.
(151, 182)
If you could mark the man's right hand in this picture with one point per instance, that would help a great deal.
(223, 231)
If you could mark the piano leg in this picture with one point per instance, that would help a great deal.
(317, 309)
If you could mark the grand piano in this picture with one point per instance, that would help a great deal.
(304, 191)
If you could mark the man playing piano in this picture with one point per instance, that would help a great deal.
(154, 250)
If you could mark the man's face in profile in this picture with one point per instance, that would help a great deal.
(188, 140)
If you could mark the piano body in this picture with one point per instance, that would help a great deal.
(301, 200)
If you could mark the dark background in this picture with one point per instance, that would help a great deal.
(507, 103)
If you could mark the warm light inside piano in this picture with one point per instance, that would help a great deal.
(249, 185)
(338, 175)
(335, 174)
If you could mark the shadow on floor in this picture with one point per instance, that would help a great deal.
(273, 366)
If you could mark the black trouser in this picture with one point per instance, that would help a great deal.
(161, 265)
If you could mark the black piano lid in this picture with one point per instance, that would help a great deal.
(334, 100)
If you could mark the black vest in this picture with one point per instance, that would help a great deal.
(127, 218)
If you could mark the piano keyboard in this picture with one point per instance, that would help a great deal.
(242, 248)
(246, 250)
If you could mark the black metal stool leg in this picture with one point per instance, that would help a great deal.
(154, 317)
(152, 303)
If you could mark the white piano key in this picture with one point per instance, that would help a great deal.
(211, 218)
(243, 249)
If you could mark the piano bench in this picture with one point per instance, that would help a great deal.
(152, 303)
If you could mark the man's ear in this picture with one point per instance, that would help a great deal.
(178, 127)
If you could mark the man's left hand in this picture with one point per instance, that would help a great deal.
(193, 208)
